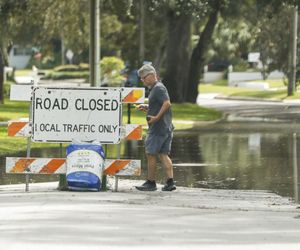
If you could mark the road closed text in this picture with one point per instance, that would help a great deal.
(77, 104)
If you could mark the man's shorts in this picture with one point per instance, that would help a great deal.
(158, 144)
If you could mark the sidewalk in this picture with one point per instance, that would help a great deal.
(188, 218)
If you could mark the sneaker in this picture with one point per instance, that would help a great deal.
(170, 185)
(147, 186)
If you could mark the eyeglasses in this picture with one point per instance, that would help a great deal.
(143, 78)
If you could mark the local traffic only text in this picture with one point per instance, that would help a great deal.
(77, 128)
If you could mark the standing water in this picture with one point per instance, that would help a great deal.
(224, 158)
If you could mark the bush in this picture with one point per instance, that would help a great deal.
(67, 75)
(67, 68)
(240, 66)
(84, 67)
(111, 68)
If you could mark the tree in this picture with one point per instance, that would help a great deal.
(178, 54)
(183, 68)
(198, 55)
(275, 38)
(8, 10)
(180, 17)
(228, 9)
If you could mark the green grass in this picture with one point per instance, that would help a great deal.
(183, 115)
(11, 110)
(193, 112)
(10, 145)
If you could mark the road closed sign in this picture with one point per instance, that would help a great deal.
(83, 114)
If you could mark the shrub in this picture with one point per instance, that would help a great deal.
(240, 66)
(84, 67)
(111, 68)
(67, 67)
(67, 75)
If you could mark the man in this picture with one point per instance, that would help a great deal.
(160, 132)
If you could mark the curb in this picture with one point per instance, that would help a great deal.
(239, 98)
(3, 124)
(247, 99)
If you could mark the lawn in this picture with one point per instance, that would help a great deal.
(13, 110)
(183, 115)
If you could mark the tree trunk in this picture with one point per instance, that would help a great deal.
(2, 64)
(177, 58)
(198, 56)
(160, 55)
(141, 32)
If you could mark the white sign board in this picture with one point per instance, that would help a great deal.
(20, 92)
(253, 57)
(84, 114)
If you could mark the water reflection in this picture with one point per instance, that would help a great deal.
(246, 161)
(228, 160)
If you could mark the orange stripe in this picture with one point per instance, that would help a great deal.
(133, 96)
(21, 165)
(116, 166)
(135, 134)
(52, 166)
(15, 127)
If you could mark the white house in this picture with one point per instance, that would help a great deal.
(19, 56)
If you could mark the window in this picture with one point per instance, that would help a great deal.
(21, 51)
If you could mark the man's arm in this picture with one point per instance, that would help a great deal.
(142, 107)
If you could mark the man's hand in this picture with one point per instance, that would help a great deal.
(142, 107)
(152, 119)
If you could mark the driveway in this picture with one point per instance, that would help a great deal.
(254, 110)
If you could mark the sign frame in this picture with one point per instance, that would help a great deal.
(63, 138)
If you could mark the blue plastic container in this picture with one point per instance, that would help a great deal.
(85, 164)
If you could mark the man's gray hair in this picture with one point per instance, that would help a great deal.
(146, 70)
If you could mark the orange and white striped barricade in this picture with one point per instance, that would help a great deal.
(19, 128)
(122, 167)
(133, 95)
(24, 128)
(132, 132)
(30, 165)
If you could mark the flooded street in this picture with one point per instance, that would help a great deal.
(227, 156)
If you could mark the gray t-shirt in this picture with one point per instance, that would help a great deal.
(158, 95)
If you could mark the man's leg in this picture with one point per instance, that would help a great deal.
(150, 184)
(151, 166)
(167, 163)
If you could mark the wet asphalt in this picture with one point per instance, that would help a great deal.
(252, 109)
